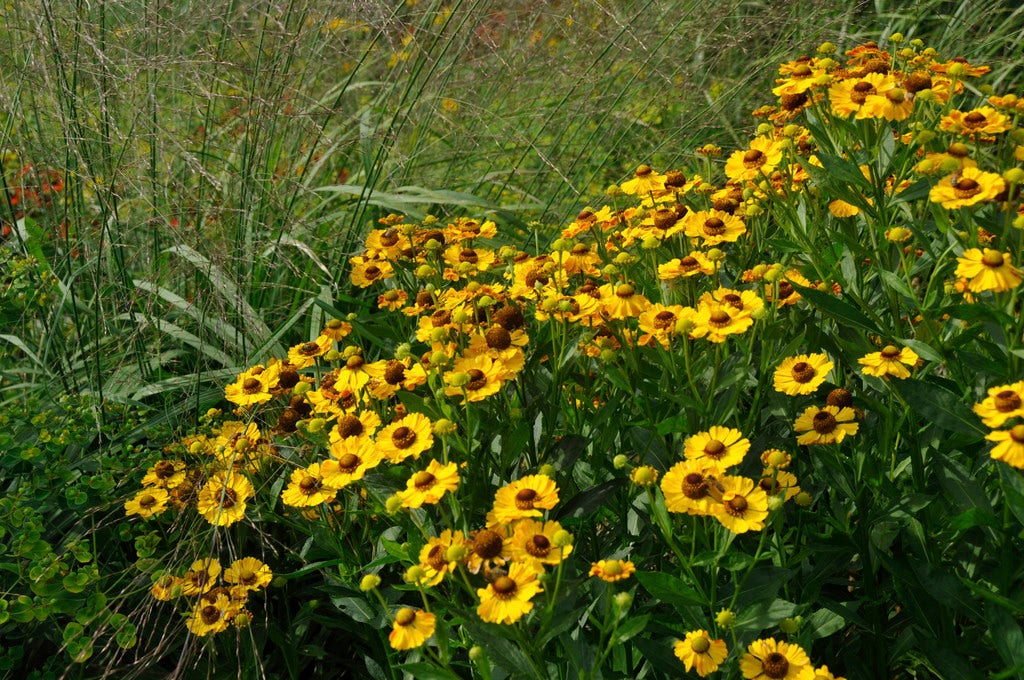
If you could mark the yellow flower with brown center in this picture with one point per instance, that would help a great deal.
(700, 653)
(714, 227)
(755, 162)
(719, 447)
(350, 460)
(645, 181)
(716, 321)
(802, 374)
(390, 375)
(1009, 446)
(166, 587)
(222, 499)
(253, 386)
(200, 577)
(406, 437)
(441, 554)
(166, 474)
(743, 506)
(427, 487)
(987, 270)
(526, 497)
(212, 616)
(1002, 403)
(147, 503)
(612, 570)
(981, 121)
(249, 573)
(476, 377)
(769, 659)
(686, 487)
(658, 323)
(359, 425)
(307, 488)
(534, 541)
(691, 265)
(304, 354)
(742, 301)
(412, 628)
(507, 598)
(825, 425)
(622, 301)
(353, 376)
(848, 95)
(966, 187)
(366, 272)
(775, 482)
(893, 103)
(890, 360)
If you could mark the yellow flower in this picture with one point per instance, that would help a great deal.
(366, 272)
(524, 498)
(714, 226)
(430, 485)
(435, 556)
(841, 208)
(691, 265)
(756, 162)
(699, 652)
(507, 598)
(352, 458)
(302, 355)
(148, 502)
(612, 570)
(645, 182)
(253, 386)
(850, 94)
(743, 507)
(485, 377)
(825, 425)
(823, 673)
(980, 121)
(352, 428)
(721, 447)
(622, 301)
(774, 482)
(686, 488)
(249, 573)
(1002, 403)
(165, 587)
(212, 616)
(889, 361)
(307, 488)
(716, 321)
(534, 541)
(802, 374)
(165, 473)
(411, 629)
(222, 499)
(1010, 445)
(200, 577)
(408, 436)
(988, 270)
(769, 659)
(967, 187)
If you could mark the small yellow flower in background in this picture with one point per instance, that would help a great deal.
(524, 498)
(825, 425)
(965, 188)
(249, 573)
(612, 570)
(987, 270)
(166, 587)
(441, 554)
(769, 659)
(758, 161)
(222, 499)
(981, 121)
(841, 208)
(721, 446)
(891, 360)
(898, 235)
(743, 506)
(427, 487)
(200, 577)
(823, 673)
(1002, 403)
(1009, 446)
(148, 502)
(699, 652)
(411, 629)
(645, 475)
(165, 473)
(802, 374)
(507, 598)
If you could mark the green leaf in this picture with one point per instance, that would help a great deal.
(934, 403)
(1007, 636)
(427, 671)
(631, 628)
(357, 608)
(764, 615)
(838, 309)
(897, 284)
(823, 623)
(669, 589)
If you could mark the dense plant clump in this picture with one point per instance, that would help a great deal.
(733, 421)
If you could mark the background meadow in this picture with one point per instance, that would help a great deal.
(186, 186)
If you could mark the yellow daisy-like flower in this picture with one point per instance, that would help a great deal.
(894, 103)
(166, 474)
(743, 507)
(802, 374)
(302, 355)
(534, 541)
(769, 659)
(714, 227)
(716, 321)
(212, 616)
(645, 181)
(775, 482)
(352, 458)
(760, 159)
(823, 673)
(721, 447)
(352, 427)
(981, 121)
(841, 208)
(967, 187)
(1002, 403)
(524, 498)
(249, 573)
(612, 570)
(700, 653)
(411, 629)
(254, 385)
(166, 587)
(507, 598)
(681, 267)
(408, 436)
(622, 301)
(825, 425)
(436, 556)
(222, 499)
(987, 270)
(148, 502)
(307, 488)
(1009, 446)
(427, 487)
(850, 94)
(891, 360)
(200, 577)
(478, 376)
(686, 488)
(367, 272)
(658, 323)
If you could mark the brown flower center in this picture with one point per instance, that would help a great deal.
(405, 616)
(695, 486)
(477, 379)
(824, 422)
(423, 480)
(775, 665)
(538, 546)
(504, 587)
(713, 226)
(309, 349)
(663, 218)
(733, 300)
(468, 255)
(373, 271)
(1017, 433)
(526, 498)
(992, 258)
(498, 338)
(147, 501)
(440, 318)
(487, 544)
(1007, 401)
(803, 372)
(436, 558)
(349, 462)
(349, 426)
(974, 119)
(689, 263)
(719, 318)
(785, 290)
(163, 469)
(714, 449)
(228, 498)
(210, 615)
(247, 577)
(310, 485)
(966, 188)
(860, 91)
(736, 506)
(839, 397)
(251, 386)
(889, 352)
(394, 372)
(624, 290)
(354, 362)
(700, 644)
(403, 437)
(664, 320)
(769, 486)
(753, 159)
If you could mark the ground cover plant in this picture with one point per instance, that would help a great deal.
(754, 412)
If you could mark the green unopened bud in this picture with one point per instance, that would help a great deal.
(949, 165)
(548, 470)
(644, 475)
(764, 129)
(620, 461)
(1016, 135)
(562, 244)
(393, 504)
(415, 574)
(613, 191)
(986, 89)
(803, 499)
(826, 48)
(651, 243)
(610, 270)
(438, 358)
(242, 619)
(789, 625)
(317, 425)
(561, 539)
(301, 388)
(924, 136)
(917, 43)
(896, 38)
(726, 618)
(403, 351)
(716, 254)
(438, 334)
(433, 245)
(608, 355)
(752, 210)
(1018, 222)
(332, 355)
(625, 259)
(456, 552)
(476, 655)
(684, 326)
(777, 458)
(459, 379)
(1014, 176)
(623, 600)
(425, 271)
(956, 70)
(925, 96)
(774, 503)
(369, 582)
(485, 301)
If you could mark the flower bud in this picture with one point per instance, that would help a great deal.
(369, 582)
(620, 461)
(803, 499)
(725, 618)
